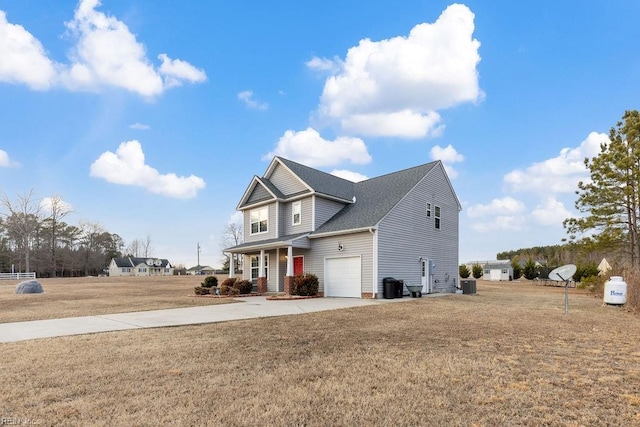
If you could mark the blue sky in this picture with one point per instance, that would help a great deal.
(151, 117)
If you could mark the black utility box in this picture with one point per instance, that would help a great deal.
(468, 286)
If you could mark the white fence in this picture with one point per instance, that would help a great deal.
(17, 276)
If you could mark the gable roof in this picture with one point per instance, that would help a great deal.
(130, 261)
(375, 197)
(320, 182)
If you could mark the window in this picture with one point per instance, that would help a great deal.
(296, 213)
(504, 271)
(259, 220)
(428, 210)
(437, 217)
(142, 270)
(255, 266)
(126, 269)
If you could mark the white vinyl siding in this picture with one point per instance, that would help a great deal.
(405, 235)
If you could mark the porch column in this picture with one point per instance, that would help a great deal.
(262, 280)
(232, 268)
(288, 278)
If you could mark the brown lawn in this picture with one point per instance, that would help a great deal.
(84, 296)
(507, 356)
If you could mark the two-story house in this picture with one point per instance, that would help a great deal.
(351, 235)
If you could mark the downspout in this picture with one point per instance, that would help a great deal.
(375, 262)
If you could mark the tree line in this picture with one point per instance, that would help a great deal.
(34, 237)
(609, 204)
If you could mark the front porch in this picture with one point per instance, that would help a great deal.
(272, 264)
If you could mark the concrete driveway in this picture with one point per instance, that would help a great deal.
(247, 308)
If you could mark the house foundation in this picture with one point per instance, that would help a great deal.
(288, 284)
(262, 285)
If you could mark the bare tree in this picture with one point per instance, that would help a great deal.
(146, 246)
(57, 209)
(22, 219)
(133, 248)
(233, 236)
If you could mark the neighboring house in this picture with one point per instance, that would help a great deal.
(351, 235)
(201, 269)
(135, 266)
(497, 271)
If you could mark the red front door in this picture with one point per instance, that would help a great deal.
(298, 265)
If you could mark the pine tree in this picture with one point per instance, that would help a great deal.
(611, 199)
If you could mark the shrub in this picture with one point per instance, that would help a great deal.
(243, 286)
(229, 282)
(200, 290)
(529, 270)
(305, 284)
(224, 289)
(464, 272)
(210, 282)
(477, 271)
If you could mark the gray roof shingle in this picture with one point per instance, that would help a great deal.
(322, 182)
(374, 198)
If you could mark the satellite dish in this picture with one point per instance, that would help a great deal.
(157, 263)
(563, 273)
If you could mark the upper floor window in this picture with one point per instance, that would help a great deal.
(260, 220)
(296, 213)
(437, 217)
(428, 210)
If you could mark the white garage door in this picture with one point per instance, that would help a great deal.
(342, 277)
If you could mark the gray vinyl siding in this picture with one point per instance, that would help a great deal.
(286, 223)
(355, 244)
(325, 209)
(259, 194)
(405, 234)
(286, 182)
(271, 231)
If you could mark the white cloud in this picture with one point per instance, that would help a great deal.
(175, 71)
(559, 174)
(127, 167)
(447, 155)
(325, 65)
(550, 212)
(349, 175)
(504, 206)
(382, 87)
(309, 148)
(501, 222)
(139, 126)
(404, 124)
(23, 58)
(246, 96)
(105, 54)
(5, 160)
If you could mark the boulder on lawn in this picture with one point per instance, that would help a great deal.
(29, 287)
